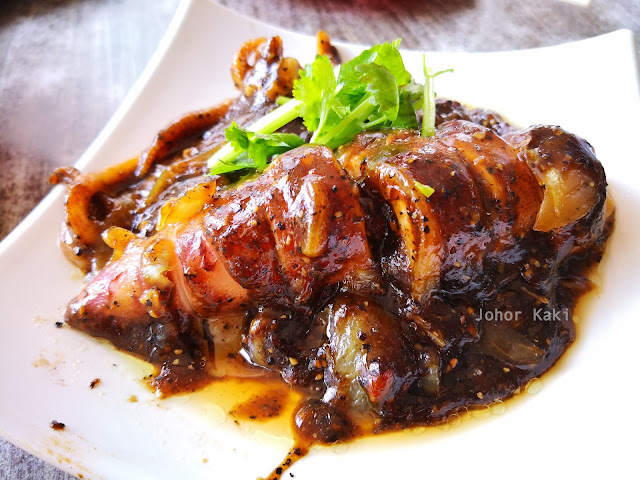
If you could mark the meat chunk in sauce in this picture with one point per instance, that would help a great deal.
(337, 270)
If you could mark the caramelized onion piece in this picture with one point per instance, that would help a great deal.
(257, 341)
(155, 262)
(568, 171)
(502, 342)
(420, 254)
(310, 207)
(225, 331)
(187, 205)
(568, 196)
(118, 238)
(158, 258)
(429, 380)
(370, 360)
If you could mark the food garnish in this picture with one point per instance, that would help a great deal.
(372, 91)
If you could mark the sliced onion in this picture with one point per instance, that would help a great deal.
(156, 261)
(183, 208)
(502, 342)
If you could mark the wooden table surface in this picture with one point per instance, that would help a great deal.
(65, 65)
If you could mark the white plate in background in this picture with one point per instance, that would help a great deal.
(576, 425)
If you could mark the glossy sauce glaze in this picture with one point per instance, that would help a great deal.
(380, 306)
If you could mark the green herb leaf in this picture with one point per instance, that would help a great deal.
(410, 97)
(254, 149)
(381, 84)
(240, 162)
(224, 158)
(370, 86)
(316, 89)
(385, 54)
(238, 137)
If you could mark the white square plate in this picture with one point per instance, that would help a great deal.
(576, 425)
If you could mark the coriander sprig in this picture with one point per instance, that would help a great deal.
(373, 90)
(429, 99)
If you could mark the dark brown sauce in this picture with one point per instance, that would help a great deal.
(300, 413)
(267, 404)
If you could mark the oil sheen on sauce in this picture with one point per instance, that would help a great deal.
(267, 405)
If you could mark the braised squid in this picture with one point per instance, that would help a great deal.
(371, 277)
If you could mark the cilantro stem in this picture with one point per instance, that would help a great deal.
(321, 122)
(429, 105)
(268, 124)
(361, 112)
(277, 118)
(281, 100)
(429, 100)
